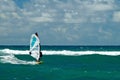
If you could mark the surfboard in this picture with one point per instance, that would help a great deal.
(39, 62)
(35, 47)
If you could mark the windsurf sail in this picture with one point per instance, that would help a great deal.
(35, 46)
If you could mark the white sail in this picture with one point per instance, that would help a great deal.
(35, 46)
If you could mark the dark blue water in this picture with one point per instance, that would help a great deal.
(72, 48)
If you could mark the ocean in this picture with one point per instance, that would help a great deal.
(61, 63)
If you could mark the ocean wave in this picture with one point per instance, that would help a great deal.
(10, 51)
(62, 52)
(8, 55)
(13, 60)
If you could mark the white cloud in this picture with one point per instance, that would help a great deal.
(3, 16)
(46, 15)
(72, 38)
(41, 1)
(100, 7)
(98, 20)
(83, 11)
(106, 34)
(74, 20)
(60, 29)
(26, 13)
(40, 19)
(8, 10)
(78, 11)
(96, 5)
(16, 15)
(70, 20)
(116, 16)
(7, 6)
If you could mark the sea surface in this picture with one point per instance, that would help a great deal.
(61, 63)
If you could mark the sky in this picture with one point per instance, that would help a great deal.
(60, 22)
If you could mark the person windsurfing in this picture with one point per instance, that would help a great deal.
(40, 49)
(38, 60)
(35, 48)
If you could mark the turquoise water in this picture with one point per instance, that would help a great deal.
(61, 63)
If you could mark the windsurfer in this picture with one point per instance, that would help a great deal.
(35, 48)
(40, 56)
(30, 53)
(36, 34)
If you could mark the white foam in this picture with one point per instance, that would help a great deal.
(13, 60)
(10, 51)
(7, 55)
(78, 53)
(63, 52)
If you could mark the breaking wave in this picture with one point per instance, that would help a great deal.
(13, 60)
(8, 55)
(63, 52)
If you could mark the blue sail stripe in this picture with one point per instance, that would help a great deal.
(33, 41)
